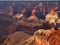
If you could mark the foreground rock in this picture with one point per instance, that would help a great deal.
(16, 38)
(55, 38)
(21, 38)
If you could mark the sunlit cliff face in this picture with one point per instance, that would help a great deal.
(52, 11)
(33, 11)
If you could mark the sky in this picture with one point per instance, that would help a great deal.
(29, 0)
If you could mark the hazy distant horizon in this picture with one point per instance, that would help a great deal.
(29, 0)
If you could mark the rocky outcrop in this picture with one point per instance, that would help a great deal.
(16, 38)
(21, 38)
